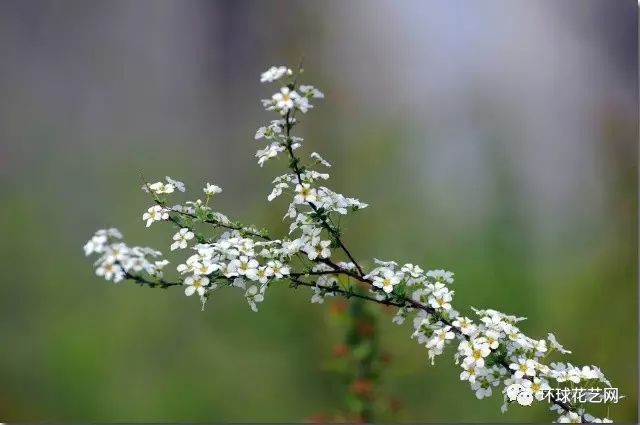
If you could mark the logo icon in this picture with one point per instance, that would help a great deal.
(517, 392)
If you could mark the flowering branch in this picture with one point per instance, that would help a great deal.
(492, 353)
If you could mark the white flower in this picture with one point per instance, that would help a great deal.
(110, 271)
(155, 213)
(205, 267)
(316, 156)
(310, 91)
(319, 295)
(116, 252)
(271, 131)
(385, 263)
(274, 73)
(263, 274)
(269, 152)
(469, 373)
(211, 189)
(246, 266)
(493, 339)
(439, 338)
(277, 191)
(181, 237)
(319, 249)
(537, 386)
(279, 270)
(556, 345)
(254, 295)
(441, 275)
(160, 188)
(514, 334)
(570, 418)
(304, 193)
(413, 271)
(229, 269)
(399, 317)
(440, 299)
(285, 100)
(524, 367)
(195, 284)
(465, 325)
(482, 389)
(302, 103)
(177, 184)
(387, 279)
(475, 351)
(540, 346)
(95, 244)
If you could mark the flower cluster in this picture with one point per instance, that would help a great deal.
(491, 351)
(233, 260)
(117, 260)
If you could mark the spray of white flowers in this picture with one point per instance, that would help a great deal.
(491, 350)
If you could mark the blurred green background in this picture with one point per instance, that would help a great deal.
(493, 138)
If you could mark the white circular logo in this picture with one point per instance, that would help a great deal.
(517, 392)
(525, 398)
(513, 390)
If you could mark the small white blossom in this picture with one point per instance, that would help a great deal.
(439, 338)
(482, 389)
(155, 213)
(274, 73)
(110, 271)
(175, 183)
(441, 299)
(524, 367)
(475, 351)
(537, 386)
(413, 271)
(556, 345)
(254, 295)
(318, 250)
(95, 245)
(441, 275)
(181, 237)
(285, 100)
(271, 131)
(211, 189)
(269, 152)
(310, 91)
(316, 156)
(304, 193)
(277, 191)
(465, 325)
(160, 188)
(195, 284)
(386, 280)
(570, 418)
(469, 373)
(492, 338)
(246, 266)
